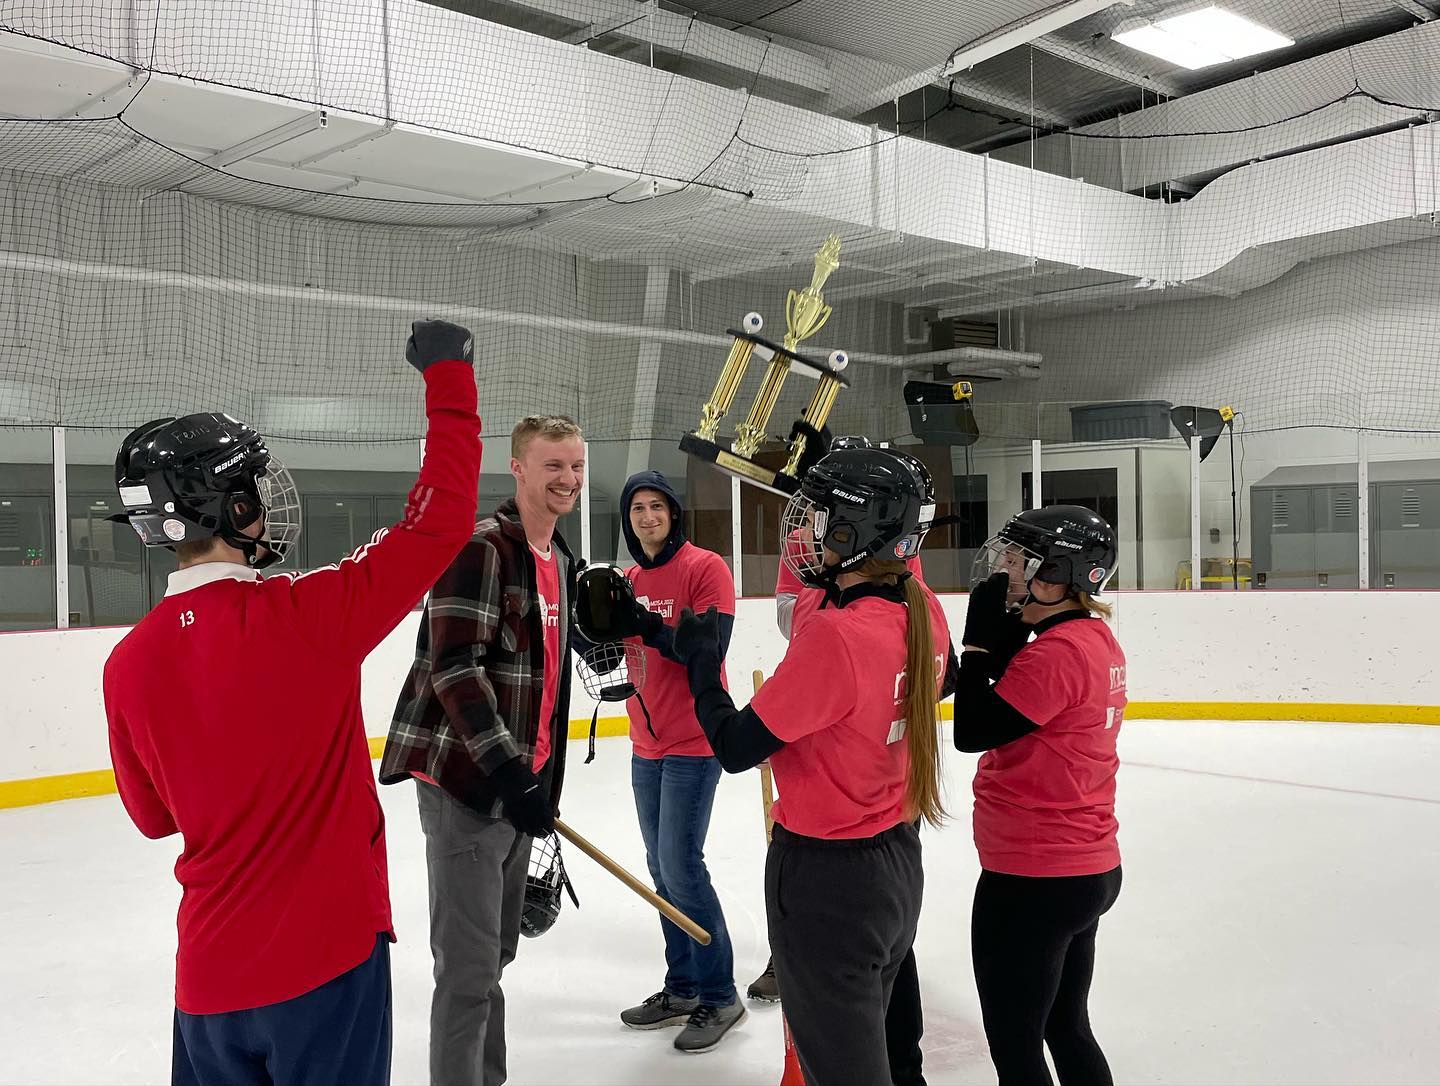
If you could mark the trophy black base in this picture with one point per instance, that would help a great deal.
(747, 471)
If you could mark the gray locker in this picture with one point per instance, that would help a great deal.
(1304, 526)
(1405, 524)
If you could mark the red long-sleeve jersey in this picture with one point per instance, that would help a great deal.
(234, 710)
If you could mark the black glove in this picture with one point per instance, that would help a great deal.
(817, 444)
(438, 341)
(647, 624)
(526, 806)
(990, 624)
(697, 636)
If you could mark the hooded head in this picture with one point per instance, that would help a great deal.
(659, 520)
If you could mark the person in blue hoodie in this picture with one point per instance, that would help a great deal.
(673, 770)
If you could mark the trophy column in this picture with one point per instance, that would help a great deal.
(728, 384)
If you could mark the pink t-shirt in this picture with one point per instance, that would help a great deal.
(1045, 803)
(547, 584)
(836, 700)
(693, 578)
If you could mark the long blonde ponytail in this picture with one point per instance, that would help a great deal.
(923, 798)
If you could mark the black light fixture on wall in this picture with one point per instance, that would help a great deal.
(941, 414)
(1206, 424)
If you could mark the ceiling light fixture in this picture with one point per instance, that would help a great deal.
(1202, 38)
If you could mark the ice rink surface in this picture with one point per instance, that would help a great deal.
(1278, 924)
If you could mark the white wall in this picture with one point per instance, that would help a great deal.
(1252, 646)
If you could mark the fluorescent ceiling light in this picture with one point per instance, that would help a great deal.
(1226, 32)
(1199, 39)
(1171, 47)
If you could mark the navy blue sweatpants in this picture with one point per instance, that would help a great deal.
(336, 1035)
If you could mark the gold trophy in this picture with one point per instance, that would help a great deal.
(805, 314)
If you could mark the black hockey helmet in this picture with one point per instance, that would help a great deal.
(605, 604)
(544, 879)
(612, 663)
(205, 475)
(1061, 544)
(858, 503)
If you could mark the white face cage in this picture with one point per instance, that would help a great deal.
(1002, 556)
(282, 508)
(545, 868)
(613, 670)
(802, 529)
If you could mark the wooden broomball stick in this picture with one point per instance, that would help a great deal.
(767, 777)
(672, 914)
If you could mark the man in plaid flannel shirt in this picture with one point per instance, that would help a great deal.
(481, 725)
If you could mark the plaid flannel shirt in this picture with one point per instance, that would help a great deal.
(472, 698)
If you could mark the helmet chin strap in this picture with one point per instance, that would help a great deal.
(1070, 594)
(256, 550)
(828, 582)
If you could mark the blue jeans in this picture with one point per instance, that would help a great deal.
(673, 797)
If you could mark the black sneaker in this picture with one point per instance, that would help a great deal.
(708, 1025)
(660, 1010)
(765, 988)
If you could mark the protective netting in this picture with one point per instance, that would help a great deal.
(242, 206)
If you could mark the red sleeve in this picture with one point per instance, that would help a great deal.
(714, 587)
(132, 780)
(813, 687)
(352, 605)
(1043, 680)
(786, 583)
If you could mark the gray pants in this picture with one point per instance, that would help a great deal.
(477, 869)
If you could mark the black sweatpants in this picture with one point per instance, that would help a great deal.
(842, 916)
(1032, 941)
(904, 1026)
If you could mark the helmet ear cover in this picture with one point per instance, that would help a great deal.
(243, 508)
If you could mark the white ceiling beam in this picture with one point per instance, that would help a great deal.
(255, 145)
(108, 102)
(968, 56)
(871, 83)
(1066, 51)
(862, 94)
(967, 86)
(650, 24)
(1418, 10)
(300, 126)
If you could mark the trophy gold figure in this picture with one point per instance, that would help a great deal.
(805, 314)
